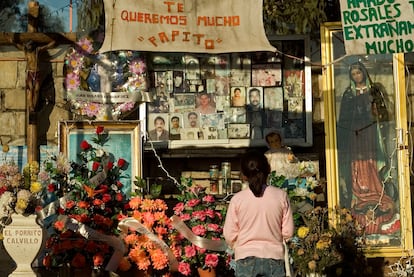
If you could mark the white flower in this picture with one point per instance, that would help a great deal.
(5, 200)
(100, 153)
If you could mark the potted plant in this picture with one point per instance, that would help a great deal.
(90, 208)
(203, 218)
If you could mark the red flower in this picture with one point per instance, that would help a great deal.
(119, 184)
(70, 204)
(97, 202)
(83, 204)
(95, 166)
(84, 145)
(119, 197)
(106, 197)
(99, 130)
(59, 225)
(121, 163)
(79, 261)
(51, 188)
(110, 165)
(98, 259)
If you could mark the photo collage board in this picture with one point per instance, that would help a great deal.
(228, 96)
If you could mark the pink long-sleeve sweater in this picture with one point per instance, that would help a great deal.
(257, 226)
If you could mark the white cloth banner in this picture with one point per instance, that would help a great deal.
(378, 26)
(193, 26)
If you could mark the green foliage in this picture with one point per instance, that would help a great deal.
(293, 16)
(152, 192)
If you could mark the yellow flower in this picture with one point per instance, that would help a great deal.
(21, 206)
(303, 231)
(35, 187)
(322, 244)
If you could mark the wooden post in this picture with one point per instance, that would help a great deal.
(31, 115)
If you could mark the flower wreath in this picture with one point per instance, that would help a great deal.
(88, 74)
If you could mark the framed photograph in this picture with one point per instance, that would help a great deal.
(238, 97)
(158, 127)
(267, 75)
(293, 83)
(184, 102)
(124, 142)
(238, 131)
(367, 169)
(273, 98)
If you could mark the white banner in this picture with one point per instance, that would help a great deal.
(378, 26)
(193, 26)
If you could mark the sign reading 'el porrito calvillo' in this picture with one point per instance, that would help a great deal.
(378, 26)
(198, 26)
(23, 236)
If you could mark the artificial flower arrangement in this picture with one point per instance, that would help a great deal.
(301, 192)
(124, 72)
(92, 196)
(20, 192)
(145, 248)
(204, 216)
(320, 244)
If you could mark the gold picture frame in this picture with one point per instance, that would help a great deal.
(386, 216)
(124, 141)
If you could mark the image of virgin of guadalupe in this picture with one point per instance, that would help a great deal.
(362, 155)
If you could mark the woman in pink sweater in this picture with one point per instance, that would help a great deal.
(258, 220)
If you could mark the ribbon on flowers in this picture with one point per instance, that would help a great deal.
(131, 222)
(215, 245)
(89, 233)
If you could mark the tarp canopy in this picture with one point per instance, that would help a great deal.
(193, 26)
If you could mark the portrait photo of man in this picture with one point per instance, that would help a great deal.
(159, 129)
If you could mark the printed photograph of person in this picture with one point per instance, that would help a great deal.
(158, 127)
(178, 81)
(192, 120)
(222, 85)
(273, 98)
(176, 121)
(205, 103)
(255, 113)
(294, 129)
(238, 97)
(254, 98)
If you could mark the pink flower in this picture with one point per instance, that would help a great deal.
(193, 202)
(214, 227)
(85, 44)
(210, 213)
(184, 268)
(185, 217)
(199, 230)
(179, 208)
(137, 67)
(72, 81)
(211, 260)
(92, 109)
(201, 215)
(190, 251)
(209, 199)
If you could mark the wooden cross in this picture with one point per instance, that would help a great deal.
(32, 43)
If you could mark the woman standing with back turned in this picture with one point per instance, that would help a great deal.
(258, 220)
